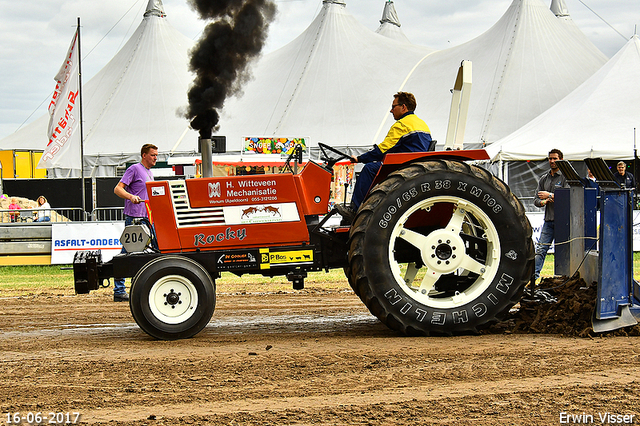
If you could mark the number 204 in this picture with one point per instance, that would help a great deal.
(133, 237)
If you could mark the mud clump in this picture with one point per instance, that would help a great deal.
(569, 315)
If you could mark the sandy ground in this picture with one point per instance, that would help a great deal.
(314, 357)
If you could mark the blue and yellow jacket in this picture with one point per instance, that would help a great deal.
(408, 134)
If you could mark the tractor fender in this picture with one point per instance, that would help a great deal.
(393, 162)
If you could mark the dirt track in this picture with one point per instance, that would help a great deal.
(303, 358)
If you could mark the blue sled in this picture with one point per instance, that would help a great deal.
(618, 302)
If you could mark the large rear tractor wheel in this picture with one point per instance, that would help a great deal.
(440, 247)
(172, 297)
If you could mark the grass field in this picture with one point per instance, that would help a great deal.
(57, 279)
(30, 280)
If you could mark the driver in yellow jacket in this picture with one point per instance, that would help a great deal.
(408, 134)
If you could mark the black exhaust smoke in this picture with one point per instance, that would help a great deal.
(220, 58)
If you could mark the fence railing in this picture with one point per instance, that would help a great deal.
(111, 214)
(71, 214)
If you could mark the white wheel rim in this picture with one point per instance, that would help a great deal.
(444, 252)
(173, 299)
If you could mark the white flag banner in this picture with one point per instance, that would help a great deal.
(63, 150)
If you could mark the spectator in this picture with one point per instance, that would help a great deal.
(13, 216)
(590, 182)
(623, 177)
(43, 210)
(544, 197)
(133, 189)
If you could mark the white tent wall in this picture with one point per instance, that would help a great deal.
(523, 65)
(333, 84)
(133, 100)
(596, 120)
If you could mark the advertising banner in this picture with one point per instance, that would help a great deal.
(272, 145)
(64, 116)
(68, 238)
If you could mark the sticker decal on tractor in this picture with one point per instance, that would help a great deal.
(261, 213)
(269, 259)
(214, 189)
(237, 260)
(157, 191)
(248, 190)
(228, 234)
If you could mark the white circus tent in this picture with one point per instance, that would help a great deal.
(334, 82)
(523, 65)
(596, 120)
(331, 84)
(133, 100)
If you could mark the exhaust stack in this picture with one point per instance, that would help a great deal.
(205, 149)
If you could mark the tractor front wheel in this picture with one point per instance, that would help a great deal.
(172, 297)
(440, 247)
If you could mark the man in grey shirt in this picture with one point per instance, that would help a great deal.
(544, 197)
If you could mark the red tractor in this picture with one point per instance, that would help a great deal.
(439, 246)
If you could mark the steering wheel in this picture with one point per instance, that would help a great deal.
(332, 161)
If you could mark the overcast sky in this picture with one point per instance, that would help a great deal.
(35, 34)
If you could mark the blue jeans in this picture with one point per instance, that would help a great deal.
(118, 283)
(363, 183)
(546, 238)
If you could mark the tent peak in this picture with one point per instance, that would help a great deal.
(340, 2)
(389, 15)
(155, 8)
(559, 8)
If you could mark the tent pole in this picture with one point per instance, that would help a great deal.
(81, 121)
(635, 164)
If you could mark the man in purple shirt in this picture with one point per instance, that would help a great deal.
(133, 188)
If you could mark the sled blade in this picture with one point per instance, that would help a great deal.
(625, 319)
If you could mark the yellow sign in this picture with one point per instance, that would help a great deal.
(268, 259)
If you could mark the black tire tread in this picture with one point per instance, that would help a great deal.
(358, 278)
(176, 331)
